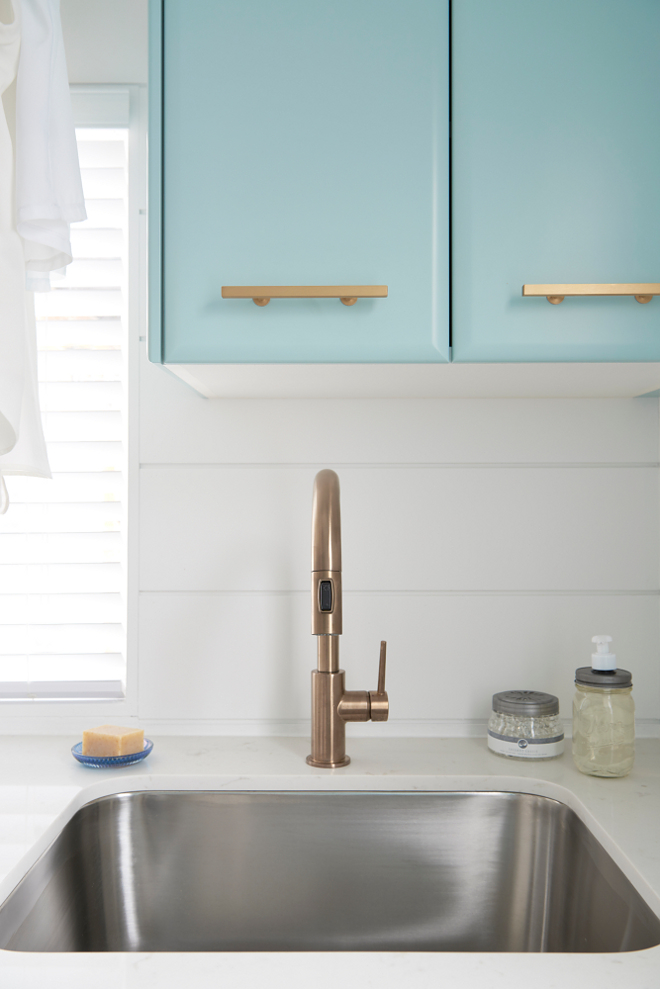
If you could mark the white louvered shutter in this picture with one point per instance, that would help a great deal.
(62, 542)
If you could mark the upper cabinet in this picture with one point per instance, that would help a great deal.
(302, 148)
(555, 177)
(299, 143)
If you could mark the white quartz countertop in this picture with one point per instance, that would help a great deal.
(41, 786)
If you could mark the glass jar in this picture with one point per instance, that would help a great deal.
(603, 722)
(525, 724)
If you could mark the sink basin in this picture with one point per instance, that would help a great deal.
(330, 871)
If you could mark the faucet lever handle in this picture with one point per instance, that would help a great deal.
(380, 705)
(381, 668)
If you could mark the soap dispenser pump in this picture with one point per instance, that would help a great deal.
(603, 660)
(603, 715)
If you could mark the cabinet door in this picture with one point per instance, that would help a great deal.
(304, 142)
(556, 177)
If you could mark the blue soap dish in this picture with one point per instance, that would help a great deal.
(111, 761)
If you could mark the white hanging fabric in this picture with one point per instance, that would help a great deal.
(49, 193)
(28, 455)
(22, 445)
(12, 295)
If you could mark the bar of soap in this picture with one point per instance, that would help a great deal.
(109, 740)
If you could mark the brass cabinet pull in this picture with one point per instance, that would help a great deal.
(262, 294)
(643, 291)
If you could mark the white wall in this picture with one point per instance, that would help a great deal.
(487, 541)
(105, 40)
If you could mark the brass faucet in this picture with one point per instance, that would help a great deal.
(332, 704)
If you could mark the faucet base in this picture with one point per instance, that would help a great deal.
(328, 729)
(327, 765)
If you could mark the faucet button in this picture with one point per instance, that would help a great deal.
(325, 595)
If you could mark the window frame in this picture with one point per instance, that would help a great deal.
(63, 714)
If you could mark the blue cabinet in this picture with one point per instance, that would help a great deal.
(299, 142)
(555, 176)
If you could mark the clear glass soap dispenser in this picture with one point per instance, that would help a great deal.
(603, 715)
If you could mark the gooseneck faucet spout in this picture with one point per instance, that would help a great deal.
(332, 704)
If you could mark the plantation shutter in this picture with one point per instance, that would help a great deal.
(62, 542)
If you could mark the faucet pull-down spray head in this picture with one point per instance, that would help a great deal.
(326, 556)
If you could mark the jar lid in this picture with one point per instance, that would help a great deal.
(532, 703)
(607, 679)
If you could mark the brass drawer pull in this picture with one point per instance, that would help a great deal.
(643, 291)
(262, 294)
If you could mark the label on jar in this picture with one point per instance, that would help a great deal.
(526, 748)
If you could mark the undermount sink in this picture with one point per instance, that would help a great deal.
(329, 871)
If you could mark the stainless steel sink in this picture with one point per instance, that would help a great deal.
(332, 871)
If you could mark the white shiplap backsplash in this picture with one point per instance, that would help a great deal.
(486, 540)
